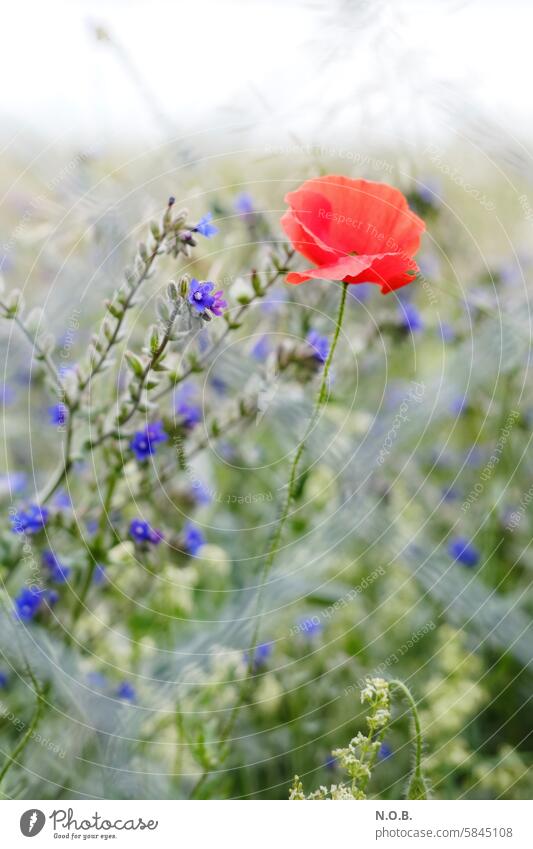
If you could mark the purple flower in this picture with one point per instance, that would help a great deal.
(28, 602)
(142, 532)
(361, 292)
(144, 441)
(51, 597)
(15, 482)
(447, 332)
(7, 395)
(193, 539)
(310, 627)
(202, 297)
(429, 191)
(29, 521)
(186, 408)
(260, 655)
(205, 228)
(62, 500)
(462, 551)
(244, 204)
(459, 405)
(58, 572)
(261, 349)
(58, 414)
(319, 344)
(126, 692)
(410, 318)
(201, 493)
(450, 493)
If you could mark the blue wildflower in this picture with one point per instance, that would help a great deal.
(193, 539)
(28, 602)
(384, 752)
(144, 441)
(142, 532)
(29, 521)
(319, 344)
(186, 406)
(462, 551)
(126, 691)
(261, 349)
(7, 394)
(459, 405)
(62, 500)
(244, 204)
(447, 332)
(331, 762)
(4, 679)
(96, 679)
(58, 572)
(204, 226)
(14, 482)
(99, 575)
(361, 292)
(410, 318)
(58, 414)
(261, 654)
(202, 297)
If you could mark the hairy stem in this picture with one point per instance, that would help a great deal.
(19, 748)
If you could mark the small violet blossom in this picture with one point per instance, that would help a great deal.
(144, 441)
(29, 521)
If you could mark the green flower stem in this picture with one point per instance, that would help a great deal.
(276, 537)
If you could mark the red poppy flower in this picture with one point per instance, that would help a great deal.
(355, 231)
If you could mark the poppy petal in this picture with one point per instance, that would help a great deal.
(359, 216)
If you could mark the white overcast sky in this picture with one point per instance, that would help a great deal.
(313, 68)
